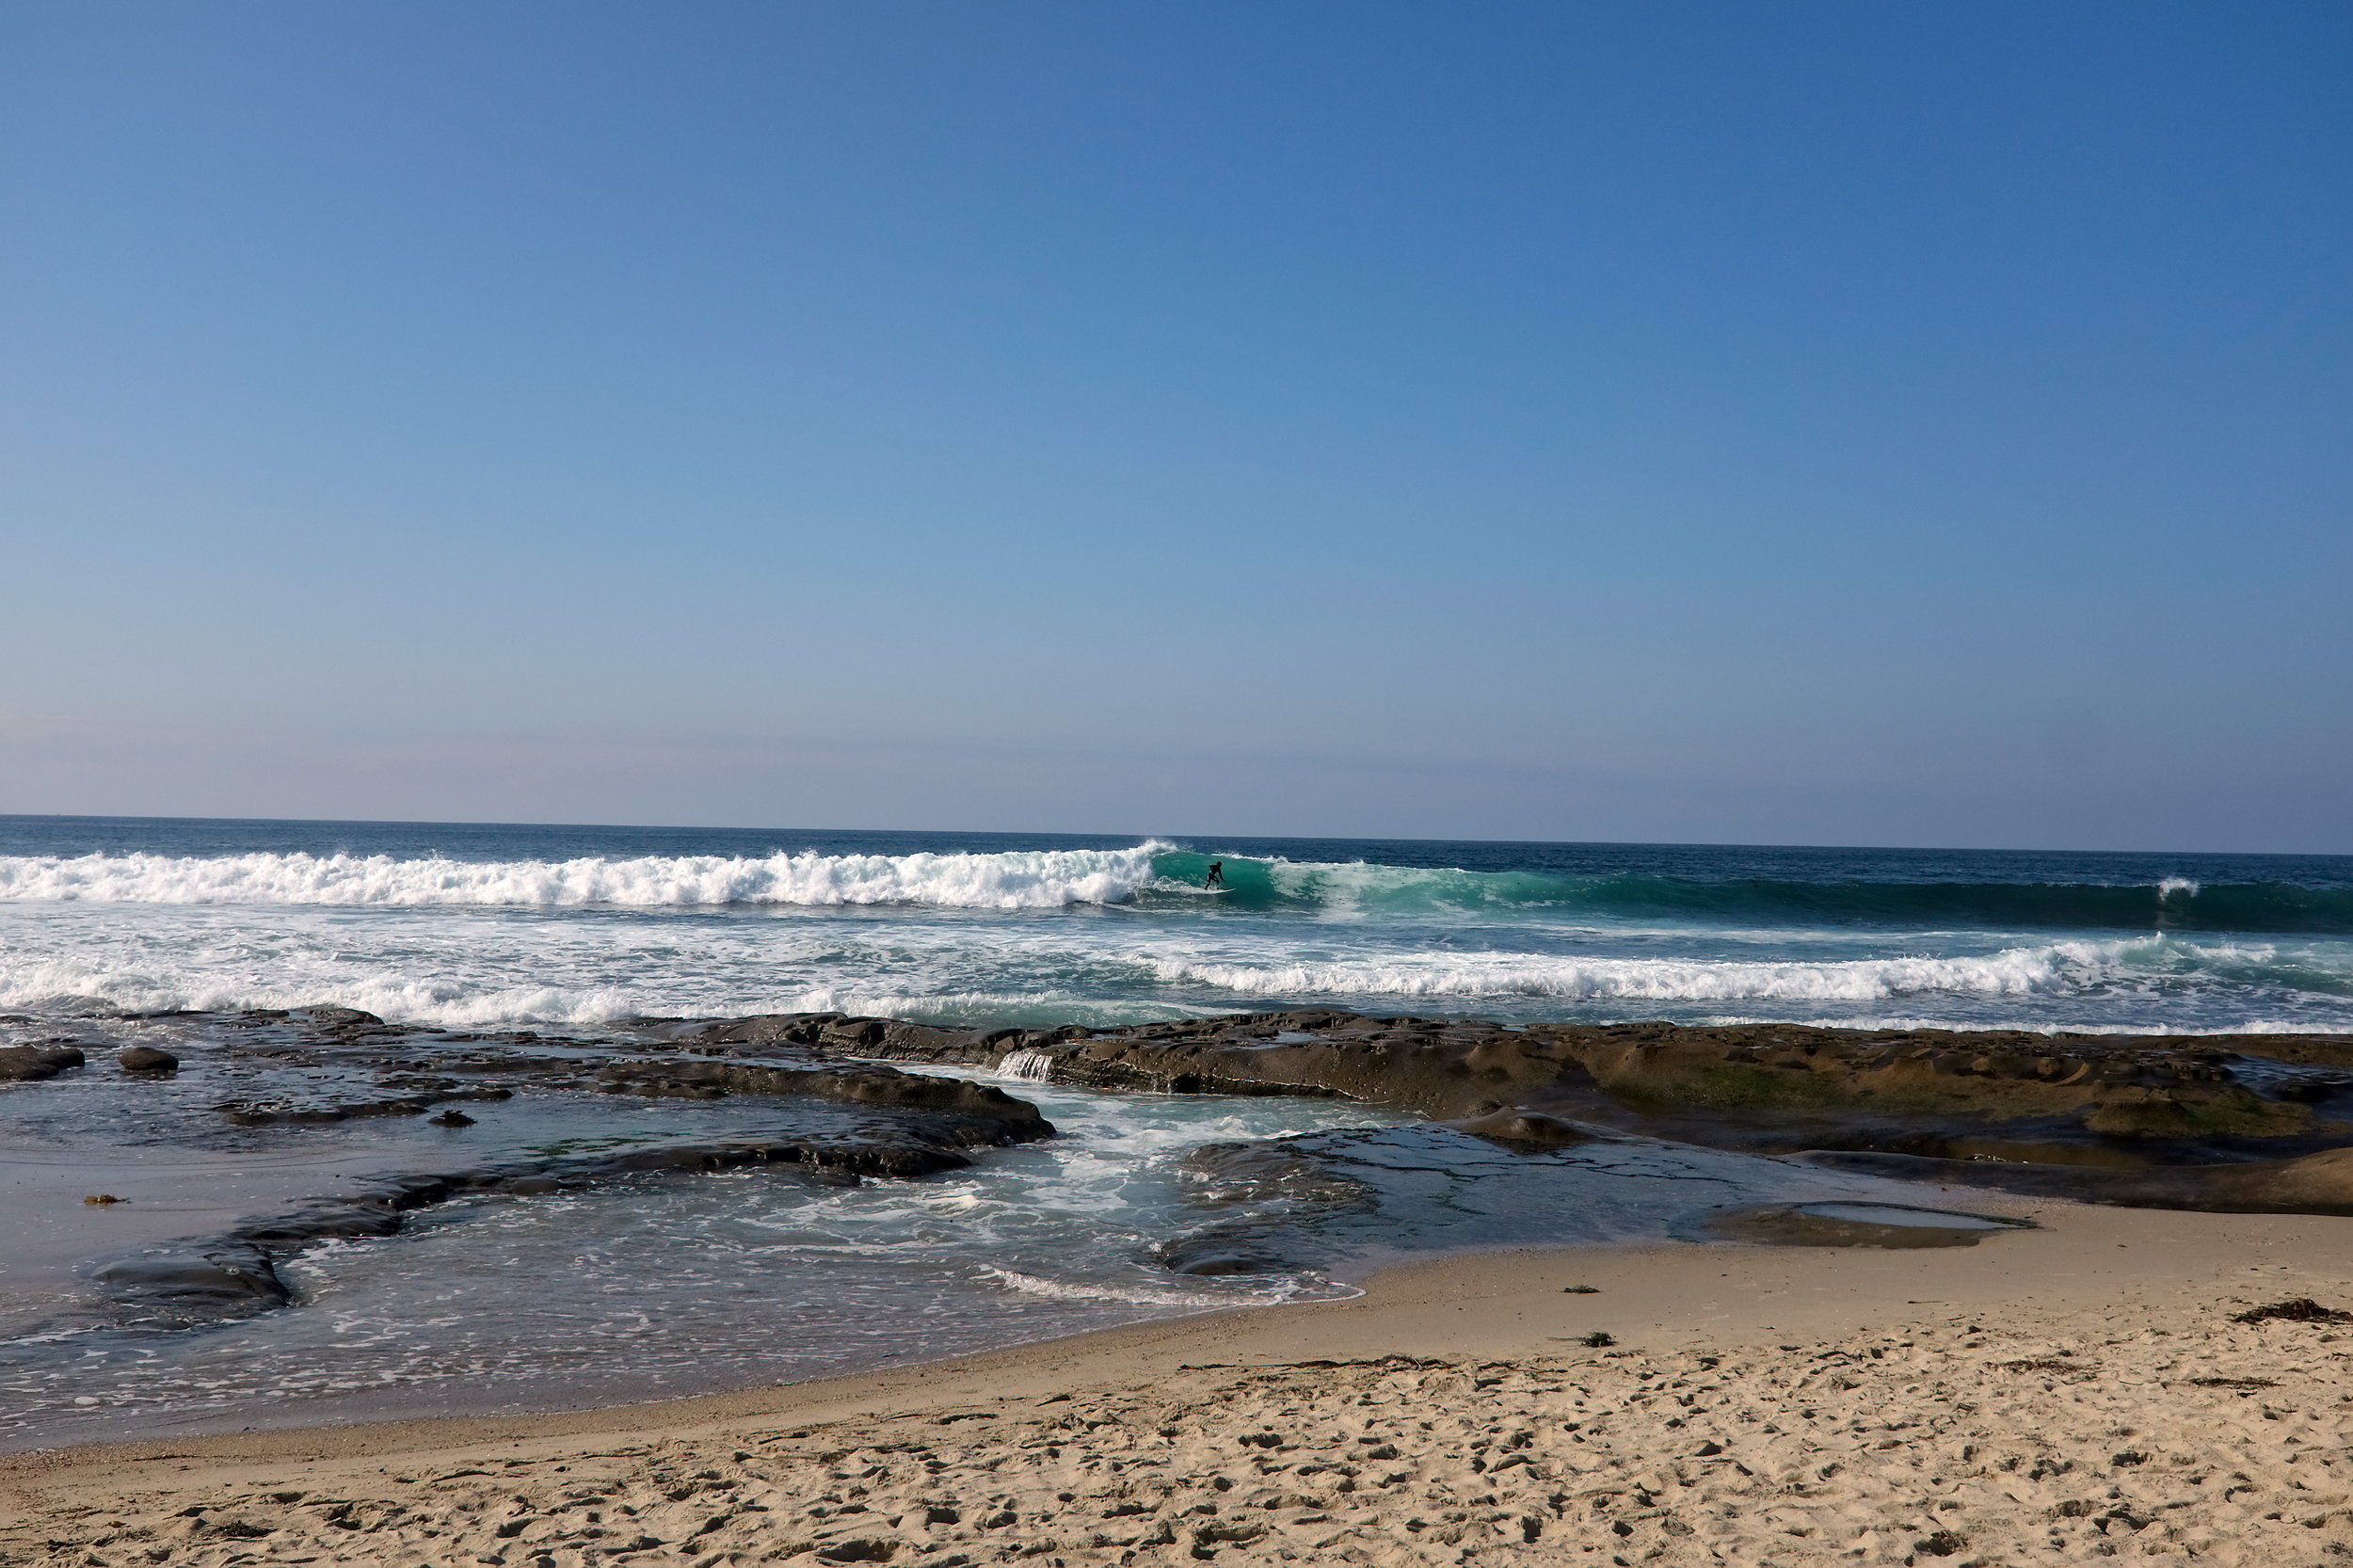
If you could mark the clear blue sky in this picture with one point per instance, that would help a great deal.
(1803, 422)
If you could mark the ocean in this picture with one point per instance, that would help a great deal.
(492, 925)
(117, 930)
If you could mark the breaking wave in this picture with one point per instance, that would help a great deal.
(1036, 879)
(2170, 903)
(1159, 876)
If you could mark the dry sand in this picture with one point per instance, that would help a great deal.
(2074, 1392)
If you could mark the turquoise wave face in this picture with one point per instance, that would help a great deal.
(1366, 888)
(2175, 904)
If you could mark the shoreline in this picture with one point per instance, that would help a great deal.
(1653, 1302)
(2159, 1279)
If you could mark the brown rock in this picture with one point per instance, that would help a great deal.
(28, 1063)
(1530, 1127)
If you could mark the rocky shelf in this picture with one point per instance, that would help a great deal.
(2232, 1123)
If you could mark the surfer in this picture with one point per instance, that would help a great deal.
(1217, 875)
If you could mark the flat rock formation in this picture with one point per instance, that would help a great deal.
(2311, 1184)
(982, 1110)
(2210, 1121)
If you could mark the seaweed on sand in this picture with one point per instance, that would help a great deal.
(2298, 1309)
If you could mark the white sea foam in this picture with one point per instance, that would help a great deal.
(1034, 1066)
(67, 985)
(1282, 1289)
(1044, 1009)
(2015, 971)
(1028, 879)
(2061, 1026)
(2181, 885)
(64, 985)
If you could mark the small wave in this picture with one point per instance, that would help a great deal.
(1044, 1009)
(1271, 1292)
(2018, 971)
(2023, 1026)
(67, 986)
(1032, 879)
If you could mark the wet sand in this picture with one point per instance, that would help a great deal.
(2046, 1395)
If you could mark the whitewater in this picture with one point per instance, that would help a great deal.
(1040, 880)
(487, 927)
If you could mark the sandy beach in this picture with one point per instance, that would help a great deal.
(2079, 1390)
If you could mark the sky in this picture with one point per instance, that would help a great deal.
(1702, 423)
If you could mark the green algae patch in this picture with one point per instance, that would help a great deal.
(1911, 1089)
(1736, 1086)
(2238, 1114)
